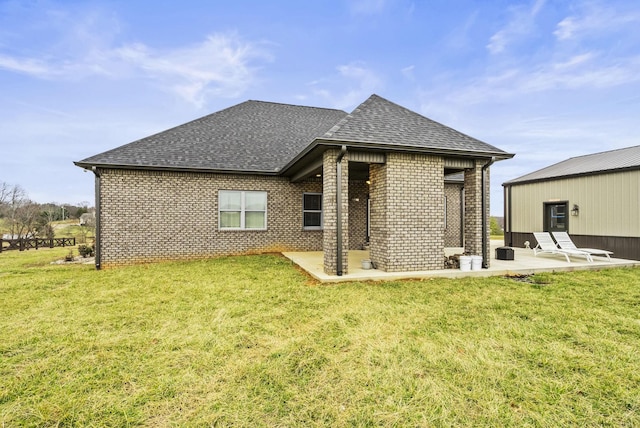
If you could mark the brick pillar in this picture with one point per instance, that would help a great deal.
(378, 229)
(473, 210)
(330, 241)
(407, 213)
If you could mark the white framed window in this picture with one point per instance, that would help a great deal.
(242, 210)
(312, 211)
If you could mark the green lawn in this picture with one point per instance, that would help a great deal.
(251, 341)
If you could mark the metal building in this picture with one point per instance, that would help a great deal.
(595, 198)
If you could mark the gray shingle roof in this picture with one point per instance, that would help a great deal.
(379, 121)
(603, 162)
(264, 137)
(252, 136)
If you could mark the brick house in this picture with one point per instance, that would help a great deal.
(262, 177)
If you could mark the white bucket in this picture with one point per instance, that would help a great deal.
(366, 264)
(465, 263)
(476, 262)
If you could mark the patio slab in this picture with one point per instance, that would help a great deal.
(524, 263)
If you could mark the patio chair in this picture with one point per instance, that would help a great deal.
(566, 243)
(546, 245)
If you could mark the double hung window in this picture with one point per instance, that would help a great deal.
(242, 210)
(312, 211)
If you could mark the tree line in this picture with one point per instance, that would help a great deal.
(22, 217)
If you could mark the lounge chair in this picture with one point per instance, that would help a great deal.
(546, 245)
(564, 241)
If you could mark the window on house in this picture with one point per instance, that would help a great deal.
(312, 210)
(241, 210)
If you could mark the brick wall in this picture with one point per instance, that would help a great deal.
(407, 218)
(151, 216)
(357, 214)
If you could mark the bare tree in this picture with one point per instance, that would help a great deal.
(7, 192)
(20, 213)
(25, 219)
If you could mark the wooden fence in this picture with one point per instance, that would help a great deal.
(29, 243)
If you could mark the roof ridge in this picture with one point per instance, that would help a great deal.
(358, 108)
(292, 105)
(602, 153)
(348, 117)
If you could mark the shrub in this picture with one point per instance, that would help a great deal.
(86, 250)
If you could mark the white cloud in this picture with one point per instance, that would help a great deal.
(595, 19)
(85, 45)
(408, 72)
(30, 66)
(586, 71)
(521, 24)
(354, 84)
(219, 66)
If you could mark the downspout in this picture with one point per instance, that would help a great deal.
(506, 197)
(98, 223)
(343, 151)
(462, 216)
(510, 206)
(483, 181)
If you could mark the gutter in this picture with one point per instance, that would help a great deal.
(343, 151)
(485, 255)
(96, 171)
(88, 166)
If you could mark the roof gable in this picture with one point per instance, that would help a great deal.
(603, 162)
(379, 121)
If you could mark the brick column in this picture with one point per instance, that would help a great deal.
(330, 241)
(473, 210)
(378, 239)
(407, 213)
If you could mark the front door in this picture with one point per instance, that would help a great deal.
(556, 217)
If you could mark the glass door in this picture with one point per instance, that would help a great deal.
(555, 217)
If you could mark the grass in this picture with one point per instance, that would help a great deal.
(250, 341)
(71, 229)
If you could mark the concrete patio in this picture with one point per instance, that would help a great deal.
(524, 263)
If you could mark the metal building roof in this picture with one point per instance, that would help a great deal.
(596, 163)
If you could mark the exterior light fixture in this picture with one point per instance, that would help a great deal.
(576, 210)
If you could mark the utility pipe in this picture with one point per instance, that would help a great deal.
(343, 151)
(483, 182)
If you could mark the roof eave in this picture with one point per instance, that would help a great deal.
(385, 147)
(92, 165)
(562, 177)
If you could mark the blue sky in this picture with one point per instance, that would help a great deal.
(546, 80)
